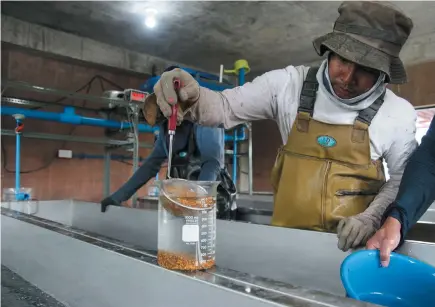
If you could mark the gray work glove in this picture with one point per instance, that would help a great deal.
(166, 95)
(354, 231)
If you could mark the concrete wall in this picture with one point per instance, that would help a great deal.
(68, 45)
(420, 90)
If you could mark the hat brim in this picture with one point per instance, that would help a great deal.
(362, 54)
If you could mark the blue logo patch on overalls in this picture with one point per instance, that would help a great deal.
(326, 141)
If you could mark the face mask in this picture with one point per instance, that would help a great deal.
(379, 86)
(356, 104)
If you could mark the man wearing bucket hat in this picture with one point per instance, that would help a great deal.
(416, 194)
(337, 121)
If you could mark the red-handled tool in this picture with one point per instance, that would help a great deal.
(172, 125)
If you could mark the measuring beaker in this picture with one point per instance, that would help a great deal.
(187, 224)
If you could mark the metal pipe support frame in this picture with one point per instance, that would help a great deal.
(72, 138)
(250, 162)
(135, 149)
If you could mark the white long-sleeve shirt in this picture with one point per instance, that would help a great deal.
(276, 94)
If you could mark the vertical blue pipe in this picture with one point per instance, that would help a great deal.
(17, 162)
(241, 76)
(235, 158)
(241, 81)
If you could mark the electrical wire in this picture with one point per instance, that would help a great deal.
(96, 77)
(88, 86)
(5, 162)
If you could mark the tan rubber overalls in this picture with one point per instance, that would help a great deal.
(324, 173)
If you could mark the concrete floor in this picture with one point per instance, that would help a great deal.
(17, 292)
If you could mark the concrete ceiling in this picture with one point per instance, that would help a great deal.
(206, 34)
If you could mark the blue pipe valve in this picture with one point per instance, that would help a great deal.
(19, 196)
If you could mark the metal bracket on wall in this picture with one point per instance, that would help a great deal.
(72, 138)
(71, 95)
(41, 104)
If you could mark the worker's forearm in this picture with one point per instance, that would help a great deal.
(214, 109)
(208, 110)
(254, 100)
(382, 200)
(417, 189)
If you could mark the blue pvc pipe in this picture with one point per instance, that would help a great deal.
(17, 161)
(235, 158)
(69, 117)
(241, 76)
(241, 82)
(241, 137)
(204, 75)
(214, 86)
(204, 79)
(18, 195)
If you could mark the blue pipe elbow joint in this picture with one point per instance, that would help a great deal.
(22, 196)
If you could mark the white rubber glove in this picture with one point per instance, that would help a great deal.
(354, 231)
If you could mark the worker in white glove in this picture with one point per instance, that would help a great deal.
(338, 122)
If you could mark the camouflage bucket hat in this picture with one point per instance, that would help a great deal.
(370, 34)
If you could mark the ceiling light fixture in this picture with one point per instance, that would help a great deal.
(150, 18)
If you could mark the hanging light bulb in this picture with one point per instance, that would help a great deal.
(150, 18)
(150, 22)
